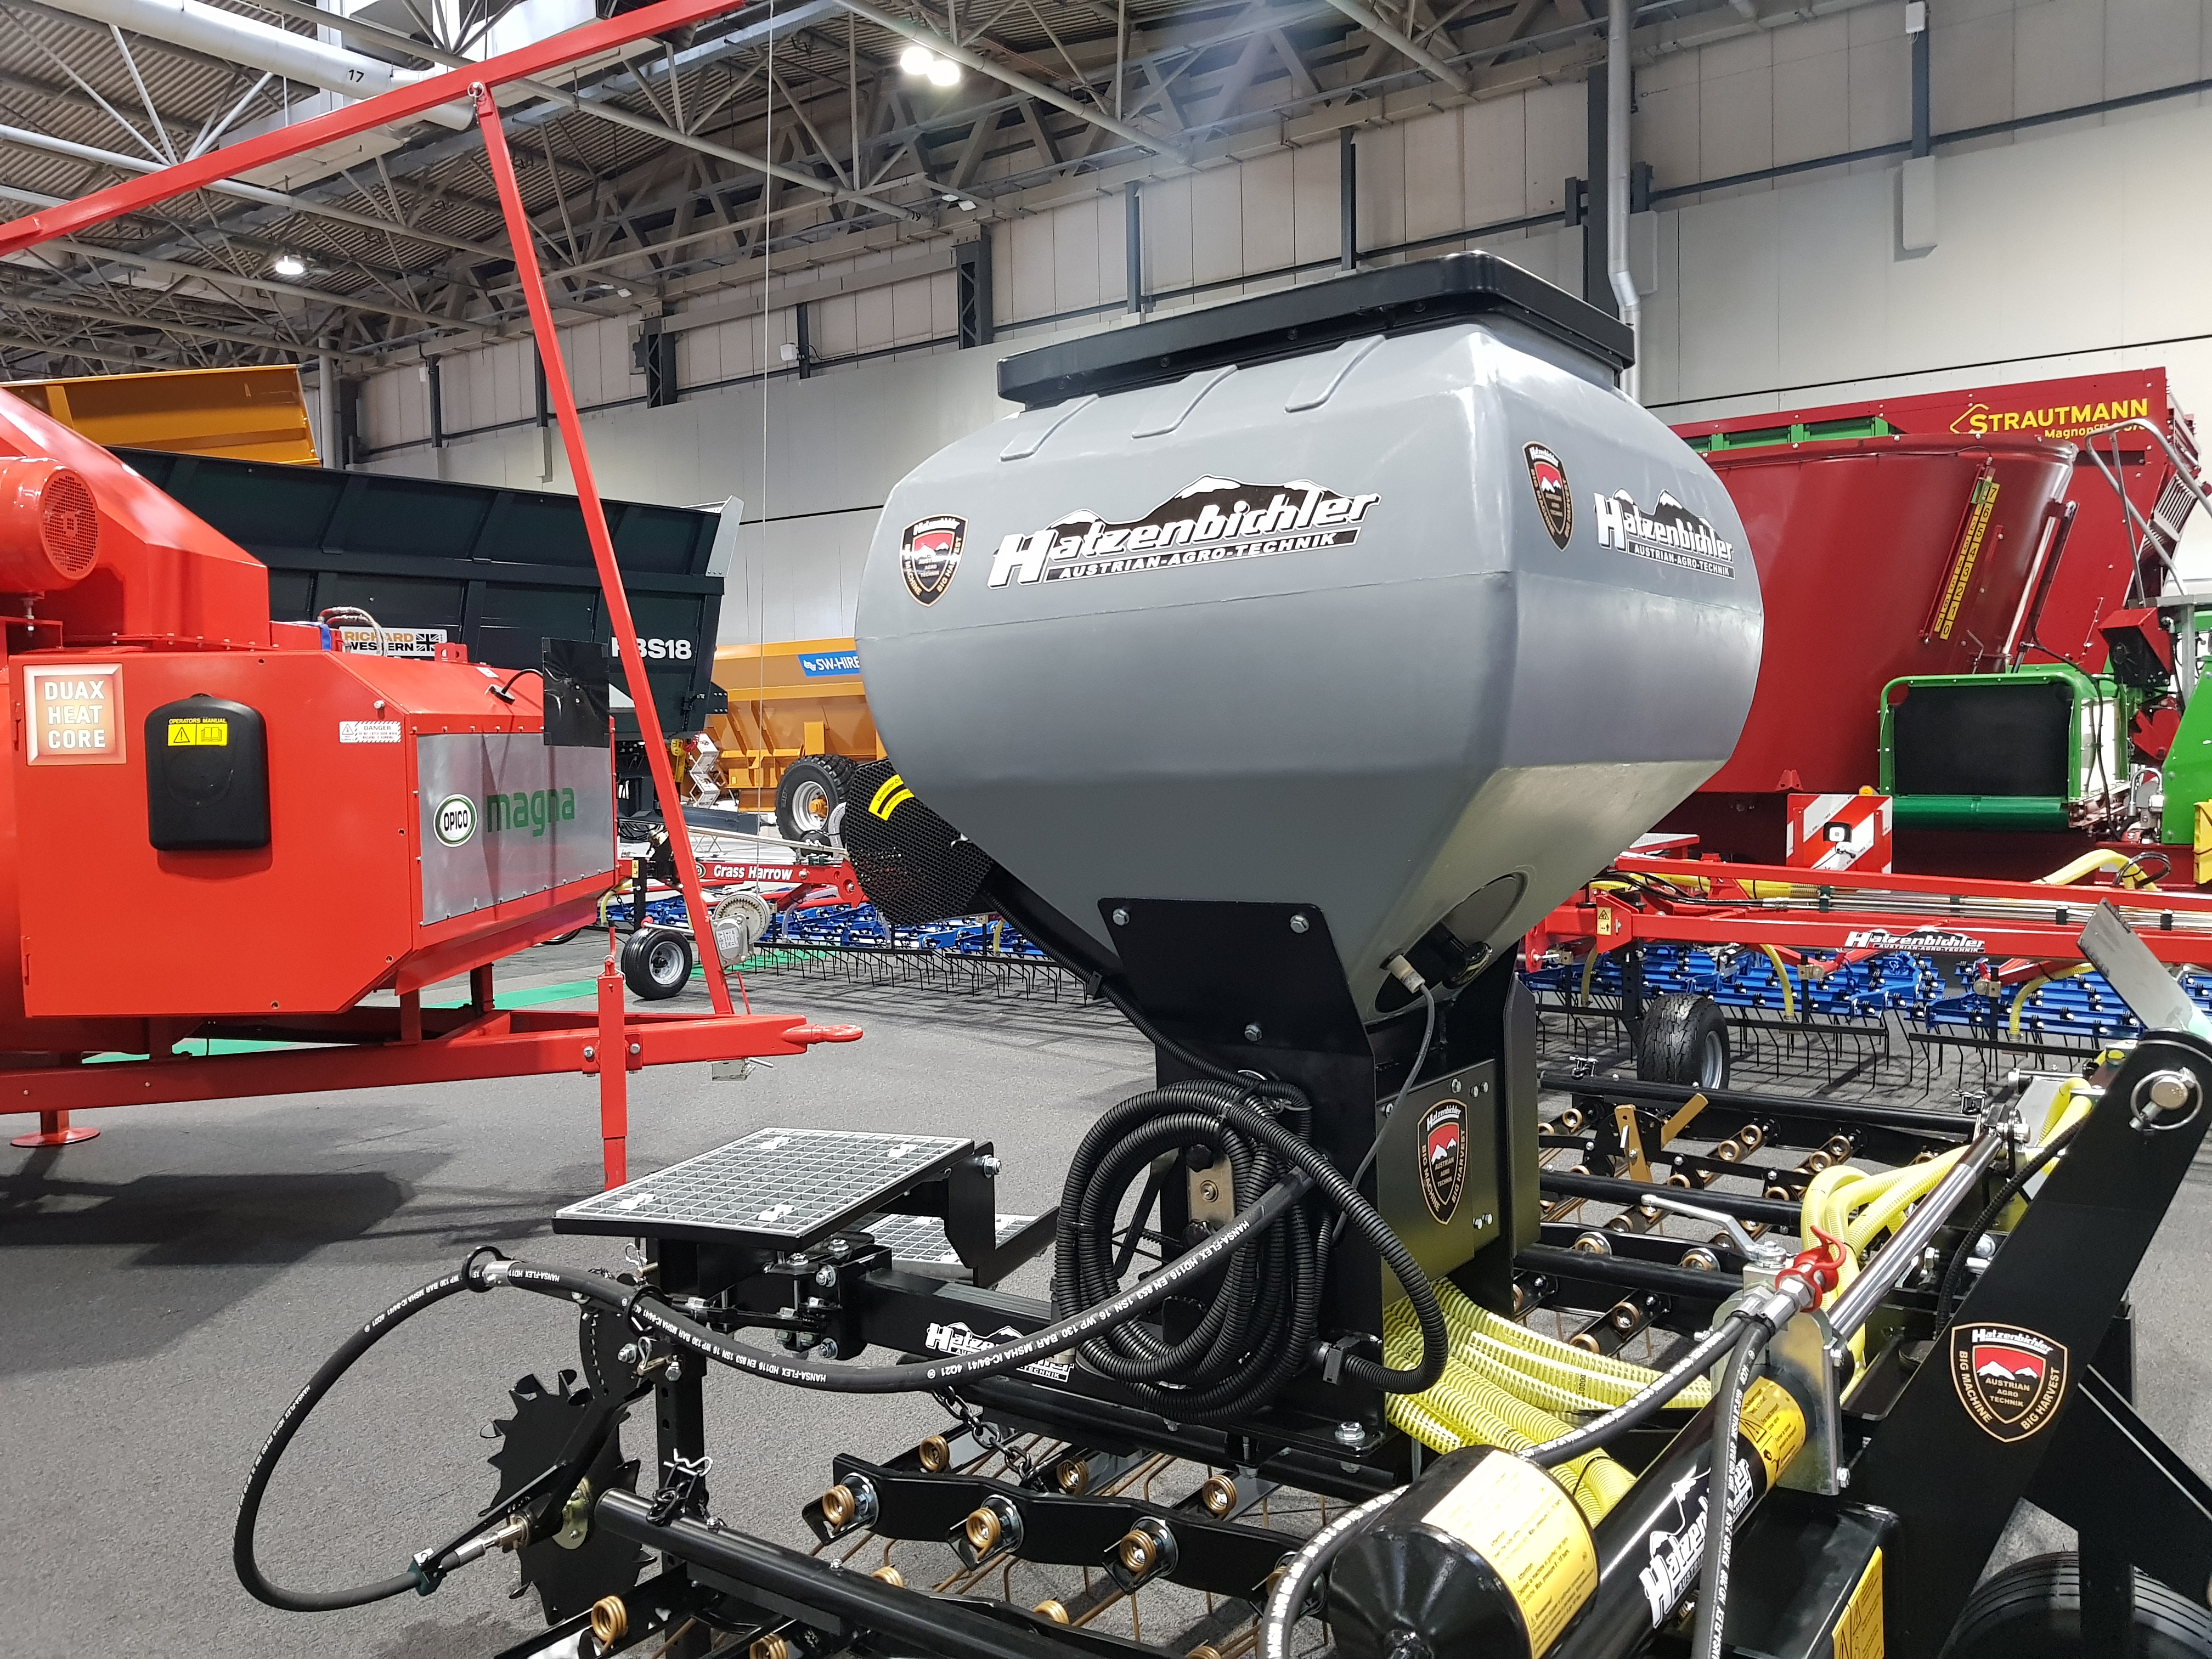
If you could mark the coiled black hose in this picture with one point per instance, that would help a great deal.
(1259, 1329)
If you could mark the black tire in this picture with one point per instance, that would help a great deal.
(656, 964)
(812, 788)
(1684, 1041)
(2033, 1610)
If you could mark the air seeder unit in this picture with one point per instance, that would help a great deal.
(1342, 1323)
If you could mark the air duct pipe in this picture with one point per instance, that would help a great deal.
(1617, 86)
(236, 39)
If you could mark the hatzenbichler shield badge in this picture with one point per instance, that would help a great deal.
(929, 553)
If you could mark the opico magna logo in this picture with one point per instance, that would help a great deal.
(1207, 521)
(929, 554)
(455, 821)
(1555, 500)
(2010, 1379)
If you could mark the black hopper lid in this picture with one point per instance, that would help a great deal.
(1398, 300)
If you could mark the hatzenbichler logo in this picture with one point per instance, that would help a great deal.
(1207, 521)
(455, 821)
(1670, 534)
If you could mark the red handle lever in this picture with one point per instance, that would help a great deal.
(813, 1034)
(1818, 1269)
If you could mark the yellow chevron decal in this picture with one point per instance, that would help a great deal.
(888, 800)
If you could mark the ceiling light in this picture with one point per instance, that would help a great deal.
(967, 206)
(944, 73)
(289, 265)
(622, 294)
(916, 60)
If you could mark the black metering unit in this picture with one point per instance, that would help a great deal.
(1305, 1352)
(207, 776)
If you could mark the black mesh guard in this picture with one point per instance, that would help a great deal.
(914, 866)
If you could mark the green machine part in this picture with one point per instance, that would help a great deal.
(2020, 749)
(2187, 776)
(1796, 432)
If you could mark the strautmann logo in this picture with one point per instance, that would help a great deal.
(457, 816)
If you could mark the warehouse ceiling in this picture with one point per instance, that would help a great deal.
(646, 173)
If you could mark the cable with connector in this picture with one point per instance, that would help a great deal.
(1409, 976)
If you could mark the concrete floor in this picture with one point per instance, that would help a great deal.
(169, 1285)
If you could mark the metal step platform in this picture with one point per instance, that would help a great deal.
(781, 1189)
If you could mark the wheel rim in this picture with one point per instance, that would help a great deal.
(663, 963)
(809, 805)
(1712, 1060)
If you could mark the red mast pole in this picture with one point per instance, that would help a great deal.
(613, 1066)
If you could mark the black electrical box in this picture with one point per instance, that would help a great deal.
(207, 776)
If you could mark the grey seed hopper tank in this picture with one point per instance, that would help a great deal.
(1375, 595)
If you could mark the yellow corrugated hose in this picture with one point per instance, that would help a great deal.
(1858, 1206)
(1505, 1385)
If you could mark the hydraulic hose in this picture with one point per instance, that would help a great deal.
(487, 1268)
(288, 1426)
(1720, 1530)
(1260, 1326)
(1955, 1274)
(1287, 1602)
(1600, 1432)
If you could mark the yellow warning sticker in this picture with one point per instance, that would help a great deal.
(890, 797)
(1980, 505)
(199, 734)
(1773, 1425)
(1858, 1627)
(1515, 1517)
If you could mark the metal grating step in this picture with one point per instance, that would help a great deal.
(783, 1189)
(922, 1237)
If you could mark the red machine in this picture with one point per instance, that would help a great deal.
(2099, 554)
(217, 771)
(2027, 929)
(221, 769)
(1947, 533)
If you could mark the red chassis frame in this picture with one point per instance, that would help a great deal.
(406, 1045)
(2021, 924)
